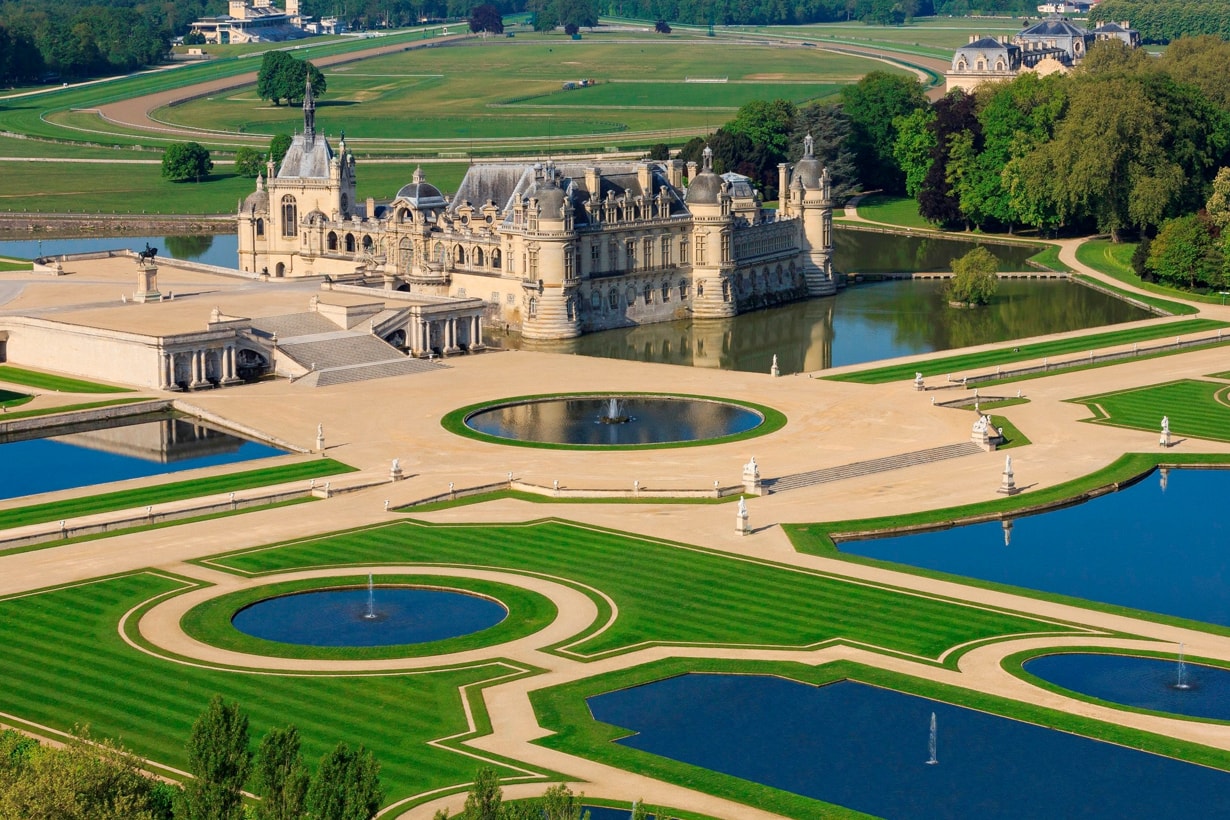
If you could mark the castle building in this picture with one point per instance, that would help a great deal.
(1050, 46)
(554, 250)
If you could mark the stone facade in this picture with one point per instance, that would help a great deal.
(554, 250)
(1053, 45)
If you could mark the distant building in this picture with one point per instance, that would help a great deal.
(1053, 45)
(1067, 7)
(254, 21)
(553, 250)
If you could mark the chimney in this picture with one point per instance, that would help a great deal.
(644, 177)
(691, 171)
(973, 37)
(593, 181)
(371, 207)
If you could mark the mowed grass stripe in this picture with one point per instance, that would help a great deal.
(668, 593)
(1195, 408)
(173, 491)
(66, 642)
(932, 368)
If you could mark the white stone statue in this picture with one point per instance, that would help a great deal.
(396, 465)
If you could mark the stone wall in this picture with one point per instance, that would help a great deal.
(115, 224)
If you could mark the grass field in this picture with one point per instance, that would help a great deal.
(1024, 352)
(1115, 259)
(10, 398)
(778, 605)
(640, 86)
(1195, 408)
(1171, 307)
(66, 642)
(174, 491)
(48, 381)
(51, 411)
(893, 210)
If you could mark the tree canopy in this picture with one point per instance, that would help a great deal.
(973, 278)
(183, 161)
(219, 760)
(873, 105)
(486, 18)
(284, 77)
(346, 785)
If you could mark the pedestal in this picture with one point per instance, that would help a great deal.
(147, 283)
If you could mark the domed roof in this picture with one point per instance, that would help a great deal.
(707, 187)
(421, 194)
(550, 196)
(808, 169)
(258, 200)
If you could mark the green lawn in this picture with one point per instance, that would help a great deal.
(777, 605)
(174, 491)
(69, 408)
(892, 210)
(66, 663)
(1195, 408)
(13, 264)
(48, 381)
(10, 398)
(1115, 259)
(933, 368)
(1171, 307)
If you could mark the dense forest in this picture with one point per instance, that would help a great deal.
(1160, 21)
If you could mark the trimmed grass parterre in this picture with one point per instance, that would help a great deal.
(564, 710)
(1195, 408)
(48, 381)
(932, 368)
(455, 422)
(654, 582)
(528, 612)
(892, 210)
(65, 641)
(174, 491)
(10, 398)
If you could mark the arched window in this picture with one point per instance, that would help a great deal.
(367, 244)
(683, 289)
(349, 243)
(260, 227)
(647, 293)
(666, 291)
(700, 289)
(612, 299)
(403, 215)
(533, 308)
(496, 258)
(961, 65)
(331, 241)
(999, 65)
(459, 254)
(290, 216)
(479, 258)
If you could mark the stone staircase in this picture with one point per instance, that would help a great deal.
(861, 468)
(346, 356)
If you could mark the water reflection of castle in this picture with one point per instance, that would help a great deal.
(162, 440)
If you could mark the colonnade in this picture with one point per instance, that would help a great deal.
(452, 331)
(202, 364)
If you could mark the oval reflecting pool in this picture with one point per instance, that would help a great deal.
(1144, 683)
(612, 421)
(348, 617)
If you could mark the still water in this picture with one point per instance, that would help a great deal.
(339, 617)
(1160, 549)
(856, 251)
(98, 453)
(867, 748)
(863, 323)
(211, 249)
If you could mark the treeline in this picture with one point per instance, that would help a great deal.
(74, 40)
(1160, 21)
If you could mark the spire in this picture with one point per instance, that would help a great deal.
(309, 111)
(418, 175)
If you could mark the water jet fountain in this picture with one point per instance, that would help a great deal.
(932, 759)
(371, 599)
(615, 413)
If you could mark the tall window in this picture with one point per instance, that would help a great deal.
(630, 250)
(725, 247)
(260, 227)
(594, 252)
(533, 307)
(648, 244)
(290, 216)
(700, 249)
(666, 251)
(683, 250)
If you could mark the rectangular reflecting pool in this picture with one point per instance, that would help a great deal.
(866, 748)
(98, 453)
(1152, 547)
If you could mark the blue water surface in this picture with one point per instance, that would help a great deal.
(1144, 683)
(338, 617)
(212, 249)
(1160, 550)
(867, 748)
(119, 451)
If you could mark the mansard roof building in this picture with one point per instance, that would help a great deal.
(1052, 45)
(553, 249)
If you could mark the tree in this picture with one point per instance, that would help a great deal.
(829, 129)
(219, 759)
(346, 785)
(282, 77)
(662, 27)
(659, 151)
(281, 778)
(956, 127)
(485, 796)
(873, 104)
(973, 278)
(559, 803)
(194, 38)
(914, 147)
(486, 18)
(278, 146)
(767, 123)
(249, 162)
(1185, 254)
(183, 161)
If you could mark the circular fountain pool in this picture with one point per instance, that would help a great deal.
(1157, 684)
(614, 421)
(390, 616)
